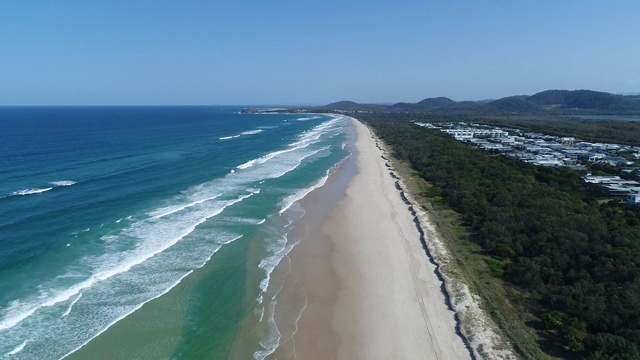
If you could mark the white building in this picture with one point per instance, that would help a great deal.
(633, 198)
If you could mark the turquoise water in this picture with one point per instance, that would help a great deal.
(104, 209)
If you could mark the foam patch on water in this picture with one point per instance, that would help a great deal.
(68, 311)
(63, 183)
(18, 348)
(30, 191)
(308, 118)
(229, 137)
(174, 209)
(241, 220)
(252, 132)
(265, 158)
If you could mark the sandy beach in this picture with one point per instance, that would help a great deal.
(371, 292)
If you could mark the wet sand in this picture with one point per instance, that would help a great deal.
(370, 290)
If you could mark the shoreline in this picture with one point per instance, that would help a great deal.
(356, 283)
(370, 291)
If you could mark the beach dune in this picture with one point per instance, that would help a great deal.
(371, 291)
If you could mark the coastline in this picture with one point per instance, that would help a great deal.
(370, 290)
(357, 282)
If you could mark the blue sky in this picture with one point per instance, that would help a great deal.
(298, 52)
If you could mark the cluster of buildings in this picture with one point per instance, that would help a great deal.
(546, 150)
(615, 186)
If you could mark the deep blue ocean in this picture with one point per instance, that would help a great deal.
(103, 209)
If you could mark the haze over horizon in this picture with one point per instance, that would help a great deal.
(250, 52)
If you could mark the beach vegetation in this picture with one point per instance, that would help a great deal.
(565, 260)
(495, 266)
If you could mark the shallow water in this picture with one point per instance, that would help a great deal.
(103, 210)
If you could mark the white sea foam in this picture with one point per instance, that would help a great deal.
(223, 242)
(308, 118)
(164, 291)
(252, 132)
(63, 183)
(30, 191)
(278, 249)
(300, 194)
(248, 164)
(174, 209)
(269, 344)
(41, 190)
(306, 139)
(297, 163)
(241, 220)
(71, 305)
(18, 348)
(116, 263)
(229, 137)
(260, 311)
(127, 314)
(265, 158)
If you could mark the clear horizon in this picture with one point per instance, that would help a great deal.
(288, 53)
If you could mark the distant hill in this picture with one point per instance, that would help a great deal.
(545, 102)
(405, 106)
(633, 97)
(347, 105)
(584, 100)
(343, 105)
(514, 104)
(437, 103)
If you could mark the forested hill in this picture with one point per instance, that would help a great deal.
(575, 261)
(546, 102)
(585, 99)
(515, 104)
(347, 105)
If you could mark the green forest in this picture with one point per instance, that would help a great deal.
(576, 257)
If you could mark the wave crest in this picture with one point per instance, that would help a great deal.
(30, 191)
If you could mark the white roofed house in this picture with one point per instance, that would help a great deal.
(591, 157)
(633, 198)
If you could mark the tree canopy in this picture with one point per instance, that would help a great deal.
(578, 259)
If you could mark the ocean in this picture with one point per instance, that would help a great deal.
(152, 232)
